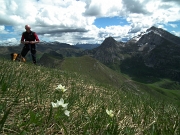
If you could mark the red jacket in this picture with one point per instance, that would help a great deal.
(29, 36)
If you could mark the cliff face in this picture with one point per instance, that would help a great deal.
(109, 51)
(160, 48)
(147, 41)
(160, 51)
(165, 34)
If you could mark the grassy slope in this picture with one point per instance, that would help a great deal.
(165, 89)
(93, 69)
(27, 92)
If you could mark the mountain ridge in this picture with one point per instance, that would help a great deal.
(146, 51)
(153, 52)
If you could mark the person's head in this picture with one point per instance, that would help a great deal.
(28, 28)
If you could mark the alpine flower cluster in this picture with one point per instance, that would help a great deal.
(60, 103)
(60, 87)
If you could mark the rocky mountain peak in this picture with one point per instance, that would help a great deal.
(153, 28)
(109, 51)
(165, 34)
(152, 37)
(108, 42)
(110, 39)
(155, 36)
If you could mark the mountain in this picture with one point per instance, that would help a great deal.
(153, 31)
(154, 52)
(43, 47)
(147, 41)
(51, 59)
(5, 51)
(87, 46)
(150, 55)
(93, 69)
(110, 51)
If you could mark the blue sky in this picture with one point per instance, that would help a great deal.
(104, 22)
(9, 28)
(173, 26)
(95, 20)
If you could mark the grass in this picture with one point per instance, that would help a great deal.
(168, 84)
(94, 69)
(26, 93)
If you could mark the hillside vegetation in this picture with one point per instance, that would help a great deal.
(93, 69)
(29, 94)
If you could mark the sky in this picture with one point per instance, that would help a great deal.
(86, 21)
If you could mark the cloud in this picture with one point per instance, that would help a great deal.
(9, 42)
(176, 33)
(173, 25)
(117, 32)
(53, 31)
(101, 8)
(169, 1)
(72, 21)
(157, 13)
(2, 28)
(134, 6)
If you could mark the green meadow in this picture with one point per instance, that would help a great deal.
(83, 97)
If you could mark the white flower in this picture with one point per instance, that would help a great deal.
(61, 103)
(66, 112)
(54, 105)
(110, 112)
(63, 90)
(60, 87)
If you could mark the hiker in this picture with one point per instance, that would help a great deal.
(29, 39)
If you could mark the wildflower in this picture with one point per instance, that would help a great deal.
(66, 112)
(54, 105)
(110, 113)
(60, 87)
(61, 103)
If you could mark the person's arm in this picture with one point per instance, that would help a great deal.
(22, 40)
(36, 39)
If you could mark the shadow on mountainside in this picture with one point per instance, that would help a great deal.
(136, 69)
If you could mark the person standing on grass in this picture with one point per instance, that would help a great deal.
(29, 39)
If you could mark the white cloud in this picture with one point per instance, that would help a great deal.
(118, 32)
(71, 21)
(12, 40)
(176, 33)
(173, 25)
(9, 42)
(2, 28)
(106, 8)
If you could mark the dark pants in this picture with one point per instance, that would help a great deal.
(29, 47)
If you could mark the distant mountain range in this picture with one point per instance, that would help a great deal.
(153, 53)
(87, 46)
